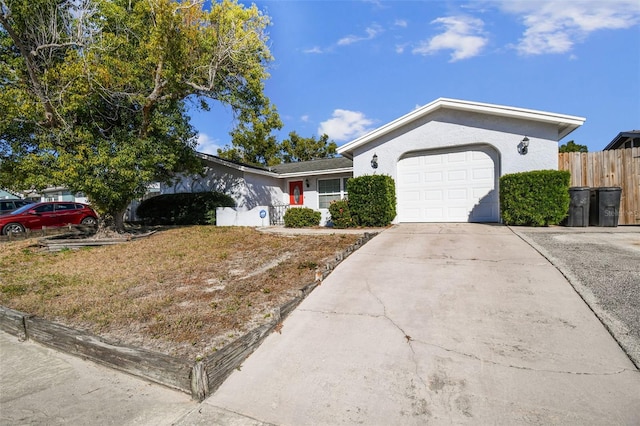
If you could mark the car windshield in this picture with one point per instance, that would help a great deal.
(23, 208)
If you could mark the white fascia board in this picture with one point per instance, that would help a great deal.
(566, 123)
(316, 173)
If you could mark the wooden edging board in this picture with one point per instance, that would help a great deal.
(200, 378)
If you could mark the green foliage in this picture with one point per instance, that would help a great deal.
(187, 208)
(252, 141)
(536, 198)
(300, 217)
(297, 148)
(93, 94)
(372, 200)
(340, 214)
(571, 146)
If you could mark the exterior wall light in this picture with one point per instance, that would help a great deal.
(306, 182)
(523, 147)
(374, 162)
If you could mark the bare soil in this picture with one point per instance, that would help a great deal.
(185, 292)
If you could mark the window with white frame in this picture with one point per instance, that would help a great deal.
(330, 190)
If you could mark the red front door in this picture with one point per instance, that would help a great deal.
(296, 197)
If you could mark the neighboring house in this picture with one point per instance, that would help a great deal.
(630, 139)
(56, 194)
(6, 194)
(447, 157)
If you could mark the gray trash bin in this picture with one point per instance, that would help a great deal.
(579, 206)
(608, 200)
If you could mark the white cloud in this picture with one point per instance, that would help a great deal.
(371, 32)
(463, 34)
(401, 23)
(345, 125)
(207, 144)
(314, 49)
(555, 26)
(305, 118)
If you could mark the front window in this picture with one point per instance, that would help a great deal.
(331, 190)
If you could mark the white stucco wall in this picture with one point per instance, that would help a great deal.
(449, 128)
(247, 189)
(234, 216)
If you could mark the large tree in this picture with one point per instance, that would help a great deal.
(297, 148)
(93, 93)
(252, 141)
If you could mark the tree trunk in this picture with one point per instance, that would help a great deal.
(118, 220)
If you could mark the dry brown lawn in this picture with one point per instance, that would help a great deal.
(184, 292)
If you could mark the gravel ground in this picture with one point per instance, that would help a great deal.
(604, 267)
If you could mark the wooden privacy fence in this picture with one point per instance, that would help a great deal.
(618, 167)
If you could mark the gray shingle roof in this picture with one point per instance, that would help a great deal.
(313, 165)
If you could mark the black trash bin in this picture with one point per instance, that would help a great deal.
(608, 200)
(578, 206)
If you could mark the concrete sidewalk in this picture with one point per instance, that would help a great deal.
(41, 386)
(435, 324)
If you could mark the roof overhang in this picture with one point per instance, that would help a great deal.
(565, 123)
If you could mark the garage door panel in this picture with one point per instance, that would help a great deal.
(457, 194)
(412, 196)
(457, 175)
(436, 213)
(433, 195)
(428, 160)
(430, 177)
(410, 178)
(451, 187)
(457, 157)
(486, 173)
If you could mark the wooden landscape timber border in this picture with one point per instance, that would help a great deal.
(616, 167)
(200, 378)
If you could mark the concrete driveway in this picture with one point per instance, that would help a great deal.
(435, 324)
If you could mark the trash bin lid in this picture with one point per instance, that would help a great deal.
(579, 188)
(610, 188)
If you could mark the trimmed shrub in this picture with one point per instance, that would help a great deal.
(185, 208)
(536, 198)
(300, 217)
(340, 214)
(372, 200)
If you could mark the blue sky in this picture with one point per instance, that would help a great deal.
(347, 67)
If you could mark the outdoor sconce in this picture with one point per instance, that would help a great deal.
(306, 182)
(374, 162)
(524, 146)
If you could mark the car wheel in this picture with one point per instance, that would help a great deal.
(89, 221)
(13, 228)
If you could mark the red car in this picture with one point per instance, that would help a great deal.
(47, 214)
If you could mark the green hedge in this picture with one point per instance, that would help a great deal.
(340, 214)
(187, 208)
(300, 217)
(536, 198)
(372, 200)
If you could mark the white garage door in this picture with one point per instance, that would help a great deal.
(453, 186)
